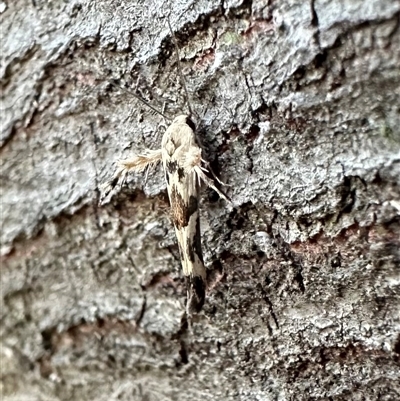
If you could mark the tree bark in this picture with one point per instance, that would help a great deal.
(298, 109)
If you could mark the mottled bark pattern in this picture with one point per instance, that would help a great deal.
(298, 110)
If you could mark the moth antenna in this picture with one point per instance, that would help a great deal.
(183, 82)
(146, 103)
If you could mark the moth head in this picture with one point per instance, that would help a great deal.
(184, 119)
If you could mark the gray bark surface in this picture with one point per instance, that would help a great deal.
(298, 108)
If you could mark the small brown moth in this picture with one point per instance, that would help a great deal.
(184, 169)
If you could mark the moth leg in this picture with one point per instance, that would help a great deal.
(192, 163)
(136, 163)
(209, 182)
(141, 162)
(208, 165)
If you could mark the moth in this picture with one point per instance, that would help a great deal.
(185, 170)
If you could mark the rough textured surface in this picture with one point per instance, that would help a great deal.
(298, 105)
